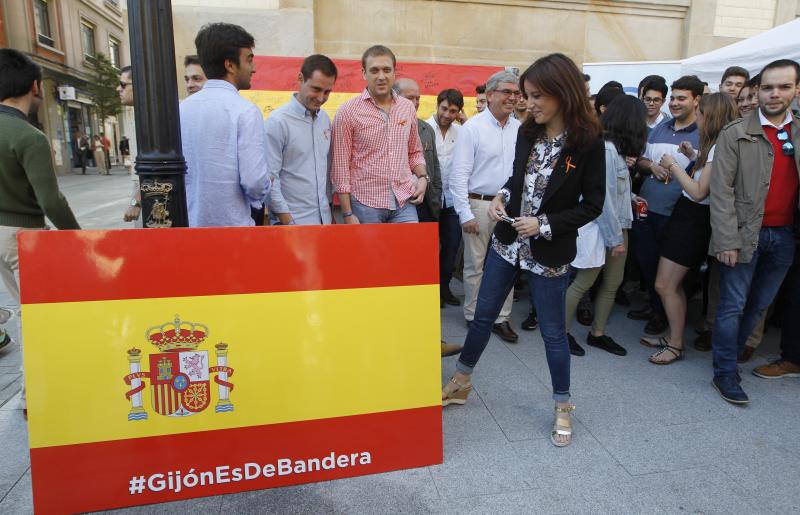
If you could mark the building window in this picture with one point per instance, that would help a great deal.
(44, 33)
(87, 38)
(113, 52)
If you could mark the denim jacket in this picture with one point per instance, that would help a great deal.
(617, 213)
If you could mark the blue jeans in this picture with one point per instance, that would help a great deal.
(373, 215)
(549, 296)
(745, 292)
(647, 235)
(449, 240)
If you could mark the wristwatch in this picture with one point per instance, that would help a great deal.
(135, 203)
(424, 176)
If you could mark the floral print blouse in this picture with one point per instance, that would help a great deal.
(540, 166)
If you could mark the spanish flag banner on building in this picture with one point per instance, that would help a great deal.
(170, 364)
(276, 79)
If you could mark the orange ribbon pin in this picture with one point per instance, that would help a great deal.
(569, 164)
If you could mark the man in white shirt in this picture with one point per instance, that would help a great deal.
(483, 160)
(223, 134)
(449, 104)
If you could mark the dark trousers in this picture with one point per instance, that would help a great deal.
(257, 214)
(647, 235)
(449, 241)
(790, 338)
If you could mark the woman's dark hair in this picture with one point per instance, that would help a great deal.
(605, 96)
(624, 125)
(17, 73)
(220, 42)
(556, 76)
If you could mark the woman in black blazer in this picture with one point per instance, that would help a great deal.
(558, 185)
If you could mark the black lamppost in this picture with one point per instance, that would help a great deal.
(159, 164)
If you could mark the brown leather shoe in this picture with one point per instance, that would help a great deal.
(777, 369)
(504, 331)
(450, 349)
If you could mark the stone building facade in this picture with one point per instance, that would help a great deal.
(490, 32)
(62, 36)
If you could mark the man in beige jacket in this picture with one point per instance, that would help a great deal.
(754, 197)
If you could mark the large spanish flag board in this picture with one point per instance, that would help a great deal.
(276, 79)
(168, 364)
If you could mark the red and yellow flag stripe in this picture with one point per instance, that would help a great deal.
(332, 337)
(276, 79)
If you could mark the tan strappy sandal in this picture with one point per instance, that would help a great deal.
(455, 392)
(562, 426)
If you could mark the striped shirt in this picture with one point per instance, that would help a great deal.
(374, 153)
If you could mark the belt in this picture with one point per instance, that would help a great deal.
(478, 196)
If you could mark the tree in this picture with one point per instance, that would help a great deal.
(103, 84)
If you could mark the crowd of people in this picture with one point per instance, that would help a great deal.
(577, 195)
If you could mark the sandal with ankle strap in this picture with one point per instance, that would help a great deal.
(562, 427)
(455, 392)
(675, 351)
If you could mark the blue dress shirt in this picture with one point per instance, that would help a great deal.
(225, 149)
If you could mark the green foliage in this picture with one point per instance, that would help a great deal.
(103, 87)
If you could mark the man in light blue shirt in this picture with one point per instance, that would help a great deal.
(298, 148)
(223, 134)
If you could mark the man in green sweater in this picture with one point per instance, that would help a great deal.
(28, 186)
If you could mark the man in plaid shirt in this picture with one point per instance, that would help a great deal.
(378, 164)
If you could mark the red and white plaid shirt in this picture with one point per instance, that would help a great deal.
(373, 157)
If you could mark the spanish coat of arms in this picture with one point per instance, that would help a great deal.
(180, 373)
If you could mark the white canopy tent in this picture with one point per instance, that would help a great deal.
(782, 42)
(752, 54)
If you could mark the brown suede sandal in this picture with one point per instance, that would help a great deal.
(455, 392)
(562, 426)
(677, 355)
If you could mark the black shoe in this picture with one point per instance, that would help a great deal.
(606, 343)
(447, 297)
(621, 298)
(730, 390)
(504, 331)
(641, 314)
(584, 314)
(574, 348)
(531, 322)
(703, 342)
(657, 325)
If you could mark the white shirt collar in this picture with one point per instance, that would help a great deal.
(765, 122)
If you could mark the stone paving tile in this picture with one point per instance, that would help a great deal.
(14, 449)
(205, 505)
(19, 500)
(646, 448)
(301, 499)
(704, 490)
(479, 467)
(10, 385)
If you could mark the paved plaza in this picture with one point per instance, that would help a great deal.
(648, 439)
